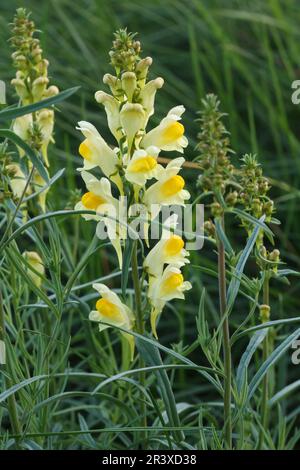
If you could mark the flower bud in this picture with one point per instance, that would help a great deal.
(51, 91)
(20, 87)
(141, 69)
(231, 198)
(129, 84)
(113, 83)
(216, 209)
(264, 313)
(38, 87)
(209, 228)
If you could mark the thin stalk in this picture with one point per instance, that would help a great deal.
(265, 384)
(139, 326)
(226, 343)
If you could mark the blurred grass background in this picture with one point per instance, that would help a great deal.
(247, 52)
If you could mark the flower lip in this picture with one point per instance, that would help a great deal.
(173, 185)
(173, 132)
(143, 164)
(108, 309)
(85, 150)
(173, 245)
(92, 201)
(172, 283)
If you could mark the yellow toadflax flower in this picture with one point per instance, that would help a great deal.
(169, 250)
(95, 152)
(169, 134)
(17, 181)
(35, 261)
(142, 166)
(111, 310)
(100, 199)
(170, 285)
(169, 189)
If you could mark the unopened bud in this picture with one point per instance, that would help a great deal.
(216, 209)
(264, 313)
(231, 198)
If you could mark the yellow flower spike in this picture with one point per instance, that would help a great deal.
(92, 201)
(173, 186)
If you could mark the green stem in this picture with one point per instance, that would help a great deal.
(265, 384)
(139, 325)
(226, 343)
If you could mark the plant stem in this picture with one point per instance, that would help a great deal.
(139, 325)
(265, 384)
(226, 343)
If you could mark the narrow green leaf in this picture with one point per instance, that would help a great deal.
(284, 392)
(237, 276)
(152, 357)
(222, 236)
(15, 112)
(254, 342)
(272, 359)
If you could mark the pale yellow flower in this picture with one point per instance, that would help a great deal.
(107, 209)
(169, 189)
(169, 250)
(96, 152)
(22, 126)
(170, 285)
(111, 310)
(142, 166)
(132, 117)
(111, 106)
(169, 134)
(17, 180)
(147, 96)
